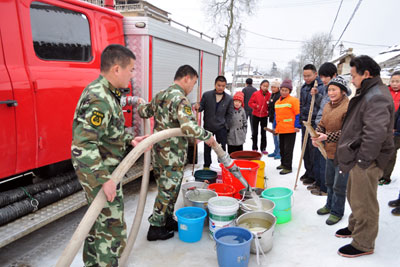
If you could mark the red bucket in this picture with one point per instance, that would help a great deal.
(250, 174)
(223, 190)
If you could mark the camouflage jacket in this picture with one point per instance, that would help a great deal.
(99, 140)
(171, 109)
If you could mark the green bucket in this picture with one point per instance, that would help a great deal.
(282, 197)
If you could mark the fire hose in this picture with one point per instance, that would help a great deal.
(98, 203)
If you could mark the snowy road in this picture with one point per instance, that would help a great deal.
(304, 241)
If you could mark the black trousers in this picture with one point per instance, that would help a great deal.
(221, 136)
(234, 148)
(250, 115)
(286, 145)
(263, 121)
(308, 155)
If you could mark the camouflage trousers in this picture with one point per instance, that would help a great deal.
(107, 237)
(169, 179)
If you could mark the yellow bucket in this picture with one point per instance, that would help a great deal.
(260, 183)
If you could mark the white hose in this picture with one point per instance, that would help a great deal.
(98, 203)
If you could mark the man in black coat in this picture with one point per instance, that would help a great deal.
(248, 91)
(217, 106)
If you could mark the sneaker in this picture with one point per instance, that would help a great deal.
(384, 181)
(255, 150)
(206, 168)
(171, 224)
(333, 219)
(396, 211)
(271, 155)
(323, 211)
(318, 192)
(264, 152)
(308, 181)
(277, 157)
(285, 171)
(351, 252)
(343, 233)
(280, 167)
(159, 233)
(394, 203)
(313, 186)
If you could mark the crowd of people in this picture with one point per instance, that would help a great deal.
(360, 136)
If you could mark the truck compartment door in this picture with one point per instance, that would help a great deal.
(8, 145)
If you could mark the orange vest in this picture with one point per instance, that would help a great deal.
(285, 114)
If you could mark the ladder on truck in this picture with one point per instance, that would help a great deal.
(33, 221)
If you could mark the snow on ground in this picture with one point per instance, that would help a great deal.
(304, 241)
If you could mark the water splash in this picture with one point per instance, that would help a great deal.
(257, 200)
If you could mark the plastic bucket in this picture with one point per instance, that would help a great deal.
(191, 185)
(222, 212)
(199, 197)
(190, 223)
(233, 246)
(246, 155)
(206, 175)
(223, 190)
(262, 225)
(249, 173)
(282, 197)
(249, 205)
(260, 183)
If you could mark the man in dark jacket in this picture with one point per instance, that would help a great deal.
(310, 75)
(217, 106)
(364, 148)
(248, 91)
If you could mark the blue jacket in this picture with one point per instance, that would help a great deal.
(305, 100)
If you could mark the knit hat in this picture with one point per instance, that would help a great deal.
(340, 82)
(287, 84)
(239, 96)
(275, 83)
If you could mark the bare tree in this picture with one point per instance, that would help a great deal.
(317, 49)
(292, 69)
(226, 17)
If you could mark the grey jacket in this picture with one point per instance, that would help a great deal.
(237, 127)
(248, 91)
(215, 118)
(367, 131)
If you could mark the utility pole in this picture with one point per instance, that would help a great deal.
(236, 59)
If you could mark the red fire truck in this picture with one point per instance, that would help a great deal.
(50, 50)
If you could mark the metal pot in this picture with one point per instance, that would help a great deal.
(262, 225)
(250, 205)
(248, 193)
(191, 186)
(199, 197)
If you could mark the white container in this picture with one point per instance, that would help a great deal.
(222, 213)
(262, 225)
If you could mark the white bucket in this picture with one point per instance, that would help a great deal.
(222, 213)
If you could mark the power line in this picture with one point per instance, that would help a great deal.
(337, 13)
(377, 45)
(273, 38)
(348, 23)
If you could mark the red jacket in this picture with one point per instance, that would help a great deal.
(396, 97)
(259, 103)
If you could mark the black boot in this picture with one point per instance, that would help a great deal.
(159, 233)
(171, 224)
(394, 203)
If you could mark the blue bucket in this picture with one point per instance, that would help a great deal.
(190, 223)
(233, 246)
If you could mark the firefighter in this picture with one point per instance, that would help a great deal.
(98, 145)
(171, 109)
